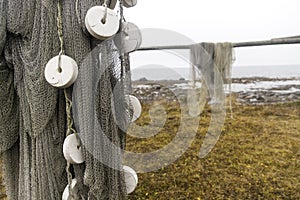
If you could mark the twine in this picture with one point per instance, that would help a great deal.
(122, 55)
(77, 12)
(106, 2)
(70, 128)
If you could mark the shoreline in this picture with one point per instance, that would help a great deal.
(251, 91)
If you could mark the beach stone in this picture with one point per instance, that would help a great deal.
(173, 90)
(261, 98)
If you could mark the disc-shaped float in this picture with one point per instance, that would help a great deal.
(129, 3)
(63, 75)
(101, 25)
(72, 152)
(66, 192)
(131, 179)
(130, 39)
(137, 107)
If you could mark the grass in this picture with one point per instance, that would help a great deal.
(256, 157)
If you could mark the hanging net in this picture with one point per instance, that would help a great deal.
(211, 64)
(101, 116)
(32, 112)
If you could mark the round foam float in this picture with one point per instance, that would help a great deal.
(137, 107)
(100, 27)
(62, 76)
(66, 192)
(129, 3)
(130, 39)
(71, 151)
(131, 179)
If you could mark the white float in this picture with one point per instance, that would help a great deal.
(137, 107)
(131, 179)
(131, 38)
(71, 151)
(61, 76)
(129, 3)
(100, 25)
(66, 192)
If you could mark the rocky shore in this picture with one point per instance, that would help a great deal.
(254, 90)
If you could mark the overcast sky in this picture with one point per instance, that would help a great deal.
(223, 20)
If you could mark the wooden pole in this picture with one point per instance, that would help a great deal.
(235, 45)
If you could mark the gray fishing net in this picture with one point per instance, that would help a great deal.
(209, 60)
(8, 97)
(211, 64)
(223, 59)
(202, 70)
(100, 111)
(33, 116)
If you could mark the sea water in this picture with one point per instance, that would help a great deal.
(170, 73)
(275, 71)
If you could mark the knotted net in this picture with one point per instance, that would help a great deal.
(32, 112)
(208, 60)
(211, 63)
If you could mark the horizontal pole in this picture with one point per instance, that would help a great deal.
(164, 47)
(268, 42)
(235, 45)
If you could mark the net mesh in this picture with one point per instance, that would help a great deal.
(32, 112)
(202, 69)
(100, 111)
(8, 97)
(208, 60)
(212, 64)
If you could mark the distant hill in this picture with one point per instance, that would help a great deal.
(160, 73)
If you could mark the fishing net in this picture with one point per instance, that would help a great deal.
(32, 112)
(209, 59)
(223, 58)
(211, 63)
(101, 116)
(202, 67)
(8, 97)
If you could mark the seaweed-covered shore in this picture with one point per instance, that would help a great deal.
(254, 90)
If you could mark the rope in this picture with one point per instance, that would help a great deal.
(122, 56)
(70, 128)
(70, 122)
(60, 33)
(77, 12)
(106, 2)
